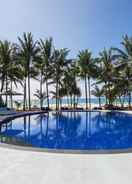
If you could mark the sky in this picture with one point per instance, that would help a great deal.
(73, 24)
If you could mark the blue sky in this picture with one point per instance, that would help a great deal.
(74, 24)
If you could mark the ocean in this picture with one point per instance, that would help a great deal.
(81, 101)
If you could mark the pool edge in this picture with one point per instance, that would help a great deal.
(61, 151)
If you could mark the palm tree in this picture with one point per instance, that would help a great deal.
(87, 69)
(124, 83)
(46, 49)
(60, 62)
(69, 82)
(9, 68)
(5, 60)
(125, 64)
(41, 96)
(97, 92)
(107, 72)
(28, 52)
(15, 74)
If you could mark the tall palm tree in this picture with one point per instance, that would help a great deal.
(46, 49)
(107, 72)
(41, 96)
(10, 70)
(87, 70)
(28, 52)
(16, 72)
(60, 61)
(5, 60)
(69, 82)
(97, 92)
(125, 57)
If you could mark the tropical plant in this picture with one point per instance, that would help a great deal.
(112, 70)
(125, 57)
(107, 72)
(46, 52)
(59, 63)
(28, 53)
(97, 92)
(87, 68)
(69, 82)
(41, 96)
(10, 70)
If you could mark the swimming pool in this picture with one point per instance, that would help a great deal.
(71, 131)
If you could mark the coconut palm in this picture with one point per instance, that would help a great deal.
(10, 70)
(125, 64)
(70, 83)
(97, 92)
(87, 69)
(126, 83)
(15, 74)
(107, 72)
(41, 96)
(46, 51)
(60, 62)
(74, 90)
(5, 62)
(28, 52)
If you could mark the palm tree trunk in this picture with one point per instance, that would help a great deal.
(77, 101)
(86, 92)
(41, 100)
(106, 95)
(11, 96)
(29, 98)
(60, 103)
(25, 91)
(56, 95)
(71, 100)
(6, 92)
(74, 101)
(99, 101)
(123, 100)
(47, 92)
(89, 86)
(129, 100)
(2, 85)
(67, 101)
(110, 102)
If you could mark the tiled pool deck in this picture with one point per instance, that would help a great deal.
(26, 167)
(31, 167)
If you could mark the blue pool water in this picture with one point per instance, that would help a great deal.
(71, 130)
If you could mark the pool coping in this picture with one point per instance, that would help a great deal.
(64, 151)
(60, 151)
(7, 117)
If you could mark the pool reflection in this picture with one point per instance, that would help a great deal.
(71, 130)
